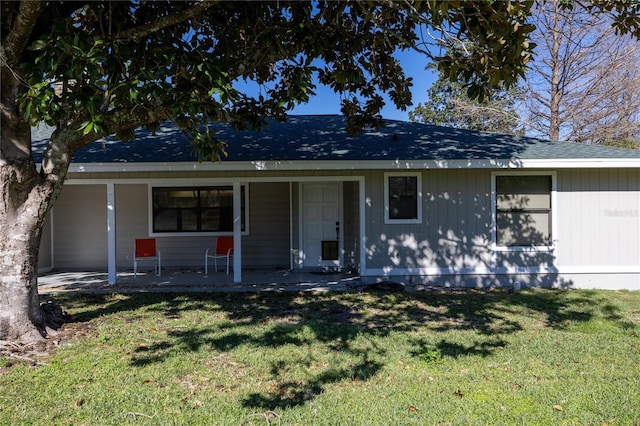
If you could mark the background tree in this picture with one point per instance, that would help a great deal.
(449, 105)
(98, 68)
(584, 81)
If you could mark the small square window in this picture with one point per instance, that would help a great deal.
(403, 198)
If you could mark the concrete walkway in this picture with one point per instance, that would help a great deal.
(195, 281)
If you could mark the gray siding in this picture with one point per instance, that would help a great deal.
(267, 244)
(455, 229)
(351, 224)
(80, 223)
(598, 220)
(82, 244)
(596, 213)
(132, 221)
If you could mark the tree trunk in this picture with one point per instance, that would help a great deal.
(21, 318)
(556, 90)
(21, 221)
(24, 202)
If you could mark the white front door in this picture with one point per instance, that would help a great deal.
(321, 225)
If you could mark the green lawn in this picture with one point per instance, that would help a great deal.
(429, 358)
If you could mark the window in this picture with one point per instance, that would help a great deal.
(195, 209)
(403, 198)
(523, 210)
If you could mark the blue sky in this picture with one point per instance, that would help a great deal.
(413, 63)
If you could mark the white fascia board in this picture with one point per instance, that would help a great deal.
(355, 165)
(213, 181)
(583, 163)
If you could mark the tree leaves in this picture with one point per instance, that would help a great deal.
(112, 60)
(451, 104)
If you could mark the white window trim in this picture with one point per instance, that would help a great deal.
(194, 234)
(554, 214)
(387, 219)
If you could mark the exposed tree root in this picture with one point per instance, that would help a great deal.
(54, 317)
(31, 349)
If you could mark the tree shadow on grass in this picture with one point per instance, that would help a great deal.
(287, 394)
(336, 321)
(482, 348)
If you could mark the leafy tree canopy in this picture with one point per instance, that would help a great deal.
(95, 68)
(106, 67)
(449, 105)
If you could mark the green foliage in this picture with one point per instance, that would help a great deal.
(624, 143)
(430, 356)
(496, 39)
(449, 105)
(107, 67)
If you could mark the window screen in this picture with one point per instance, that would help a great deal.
(523, 210)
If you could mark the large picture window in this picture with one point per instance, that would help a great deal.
(403, 198)
(523, 210)
(195, 209)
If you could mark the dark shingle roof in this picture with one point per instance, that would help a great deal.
(323, 138)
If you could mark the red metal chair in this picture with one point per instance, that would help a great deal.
(145, 250)
(224, 250)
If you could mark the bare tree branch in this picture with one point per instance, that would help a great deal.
(584, 84)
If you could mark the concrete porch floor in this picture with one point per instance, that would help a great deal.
(183, 280)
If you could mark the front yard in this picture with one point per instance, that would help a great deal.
(428, 358)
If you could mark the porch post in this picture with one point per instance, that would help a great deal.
(291, 255)
(237, 233)
(363, 226)
(111, 233)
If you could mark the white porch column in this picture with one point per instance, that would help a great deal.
(291, 255)
(237, 233)
(111, 233)
(364, 202)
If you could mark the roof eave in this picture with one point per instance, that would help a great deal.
(300, 165)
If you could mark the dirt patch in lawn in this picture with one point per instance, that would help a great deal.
(36, 353)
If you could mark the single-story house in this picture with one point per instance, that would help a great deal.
(409, 203)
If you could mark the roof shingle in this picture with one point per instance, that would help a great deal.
(324, 138)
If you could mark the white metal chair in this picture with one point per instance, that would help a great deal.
(145, 250)
(224, 250)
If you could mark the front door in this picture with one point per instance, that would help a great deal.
(321, 225)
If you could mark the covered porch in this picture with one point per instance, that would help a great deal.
(276, 223)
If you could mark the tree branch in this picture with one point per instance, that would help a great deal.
(164, 22)
(18, 37)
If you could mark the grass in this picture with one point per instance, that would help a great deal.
(451, 358)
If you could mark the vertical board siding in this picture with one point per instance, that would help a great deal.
(132, 221)
(597, 216)
(455, 231)
(351, 225)
(376, 234)
(295, 207)
(80, 224)
(598, 220)
(267, 245)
